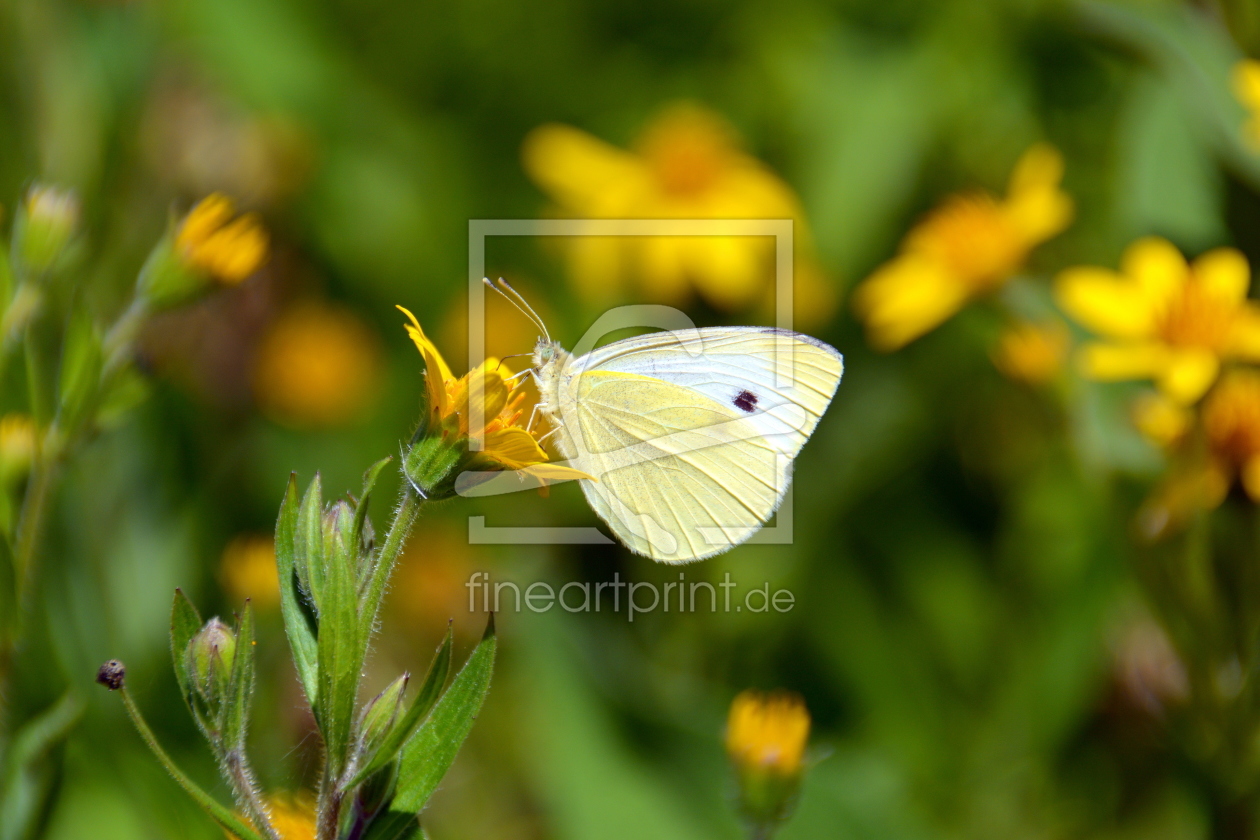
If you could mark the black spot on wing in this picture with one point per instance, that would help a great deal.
(746, 401)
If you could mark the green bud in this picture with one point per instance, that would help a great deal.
(210, 655)
(44, 226)
(167, 280)
(338, 525)
(380, 714)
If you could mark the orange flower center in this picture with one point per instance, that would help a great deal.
(1196, 318)
(973, 238)
(687, 151)
(1231, 418)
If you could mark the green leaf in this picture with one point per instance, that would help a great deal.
(296, 623)
(309, 559)
(235, 720)
(185, 622)
(361, 510)
(427, 756)
(393, 825)
(340, 659)
(430, 690)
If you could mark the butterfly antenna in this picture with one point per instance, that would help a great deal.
(516, 302)
(525, 305)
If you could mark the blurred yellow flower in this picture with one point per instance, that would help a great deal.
(248, 570)
(1247, 89)
(1161, 420)
(687, 165)
(17, 444)
(293, 817)
(318, 365)
(1030, 352)
(967, 247)
(1231, 424)
(211, 241)
(767, 732)
(503, 443)
(1164, 319)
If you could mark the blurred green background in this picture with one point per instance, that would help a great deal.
(968, 633)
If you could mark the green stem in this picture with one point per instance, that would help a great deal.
(221, 815)
(236, 768)
(121, 336)
(395, 539)
(21, 310)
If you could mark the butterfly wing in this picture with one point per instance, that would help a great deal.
(692, 434)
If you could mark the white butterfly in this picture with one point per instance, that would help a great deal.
(690, 433)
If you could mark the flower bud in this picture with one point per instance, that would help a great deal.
(45, 224)
(379, 715)
(112, 675)
(210, 655)
(766, 736)
(432, 464)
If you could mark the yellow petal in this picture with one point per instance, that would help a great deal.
(1247, 83)
(1105, 302)
(1188, 374)
(436, 372)
(577, 168)
(1161, 420)
(730, 271)
(1035, 205)
(1224, 272)
(1244, 340)
(513, 447)
(906, 298)
(1157, 266)
(1118, 362)
(484, 386)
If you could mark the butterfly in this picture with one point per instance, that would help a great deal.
(689, 434)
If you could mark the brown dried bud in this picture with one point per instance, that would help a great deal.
(112, 674)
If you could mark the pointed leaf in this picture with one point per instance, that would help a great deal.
(309, 544)
(241, 687)
(296, 624)
(185, 622)
(430, 690)
(340, 660)
(361, 511)
(80, 368)
(23, 787)
(428, 755)
(393, 825)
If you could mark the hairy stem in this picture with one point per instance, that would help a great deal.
(236, 768)
(222, 815)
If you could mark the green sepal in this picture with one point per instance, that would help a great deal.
(428, 755)
(400, 734)
(234, 720)
(361, 524)
(81, 362)
(185, 623)
(309, 545)
(297, 624)
(431, 466)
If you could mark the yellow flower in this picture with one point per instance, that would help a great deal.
(768, 732)
(1162, 421)
(687, 165)
(211, 241)
(17, 444)
(503, 444)
(967, 247)
(1163, 319)
(248, 570)
(318, 366)
(1031, 353)
(293, 817)
(1231, 424)
(1247, 89)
